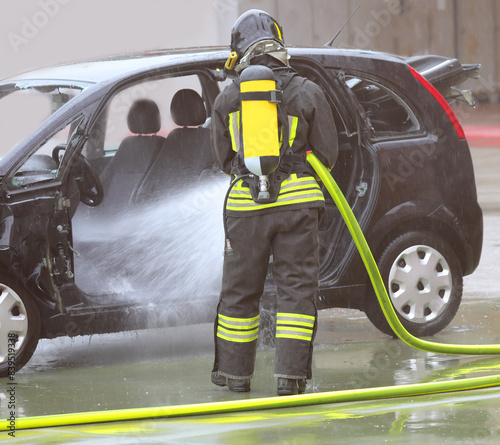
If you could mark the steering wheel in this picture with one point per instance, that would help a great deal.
(89, 184)
(55, 152)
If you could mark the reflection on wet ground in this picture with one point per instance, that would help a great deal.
(172, 367)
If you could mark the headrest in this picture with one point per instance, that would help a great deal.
(144, 117)
(187, 108)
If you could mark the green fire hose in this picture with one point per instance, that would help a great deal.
(376, 279)
(303, 399)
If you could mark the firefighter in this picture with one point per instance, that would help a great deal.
(284, 225)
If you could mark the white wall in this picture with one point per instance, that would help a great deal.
(36, 33)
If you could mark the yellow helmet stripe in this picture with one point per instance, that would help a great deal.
(278, 29)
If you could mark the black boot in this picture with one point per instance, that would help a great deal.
(290, 387)
(235, 385)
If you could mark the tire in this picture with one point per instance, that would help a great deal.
(423, 278)
(19, 327)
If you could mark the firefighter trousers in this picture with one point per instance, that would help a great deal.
(291, 236)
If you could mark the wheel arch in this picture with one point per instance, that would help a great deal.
(418, 216)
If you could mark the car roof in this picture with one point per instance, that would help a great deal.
(102, 69)
(101, 74)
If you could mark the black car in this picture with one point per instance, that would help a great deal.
(111, 206)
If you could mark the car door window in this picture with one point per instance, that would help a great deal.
(147, 136)
(389, 114)
(23, 110)
(43, 165)
(160, 91)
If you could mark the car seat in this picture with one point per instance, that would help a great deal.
(134, 156)
(186, 152)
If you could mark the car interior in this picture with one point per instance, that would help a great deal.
(163, 152)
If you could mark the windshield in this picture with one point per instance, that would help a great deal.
(23, 110)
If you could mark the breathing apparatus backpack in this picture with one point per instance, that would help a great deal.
(264, 133)
(264, 158)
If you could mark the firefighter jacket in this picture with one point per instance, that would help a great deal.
(311, 128)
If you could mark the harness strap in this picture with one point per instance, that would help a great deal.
(293, 163)
(273, 96)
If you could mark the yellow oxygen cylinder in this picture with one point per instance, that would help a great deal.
(259, 123)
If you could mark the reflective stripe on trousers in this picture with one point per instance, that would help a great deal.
(295, 326)
(239, 330)
(292, 235)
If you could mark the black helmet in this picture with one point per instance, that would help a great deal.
(251, 27)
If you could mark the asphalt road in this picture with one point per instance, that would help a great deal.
(172, 367)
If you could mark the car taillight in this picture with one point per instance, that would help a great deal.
(442, 101)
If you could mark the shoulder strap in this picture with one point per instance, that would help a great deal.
(283, 79)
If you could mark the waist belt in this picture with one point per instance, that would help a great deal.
(289, 163)
(292, 163)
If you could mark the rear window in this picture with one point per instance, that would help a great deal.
(389, 114)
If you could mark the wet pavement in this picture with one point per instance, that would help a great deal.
(172, 367)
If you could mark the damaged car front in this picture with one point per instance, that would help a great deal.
(57, 231)
(34, 209)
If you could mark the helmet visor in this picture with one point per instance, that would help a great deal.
(271, 47)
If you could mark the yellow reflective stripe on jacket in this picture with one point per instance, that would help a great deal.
(295, 326)
(296, 184)
(234, 130)
(293, 121)
(239, 330)
(294, 190)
